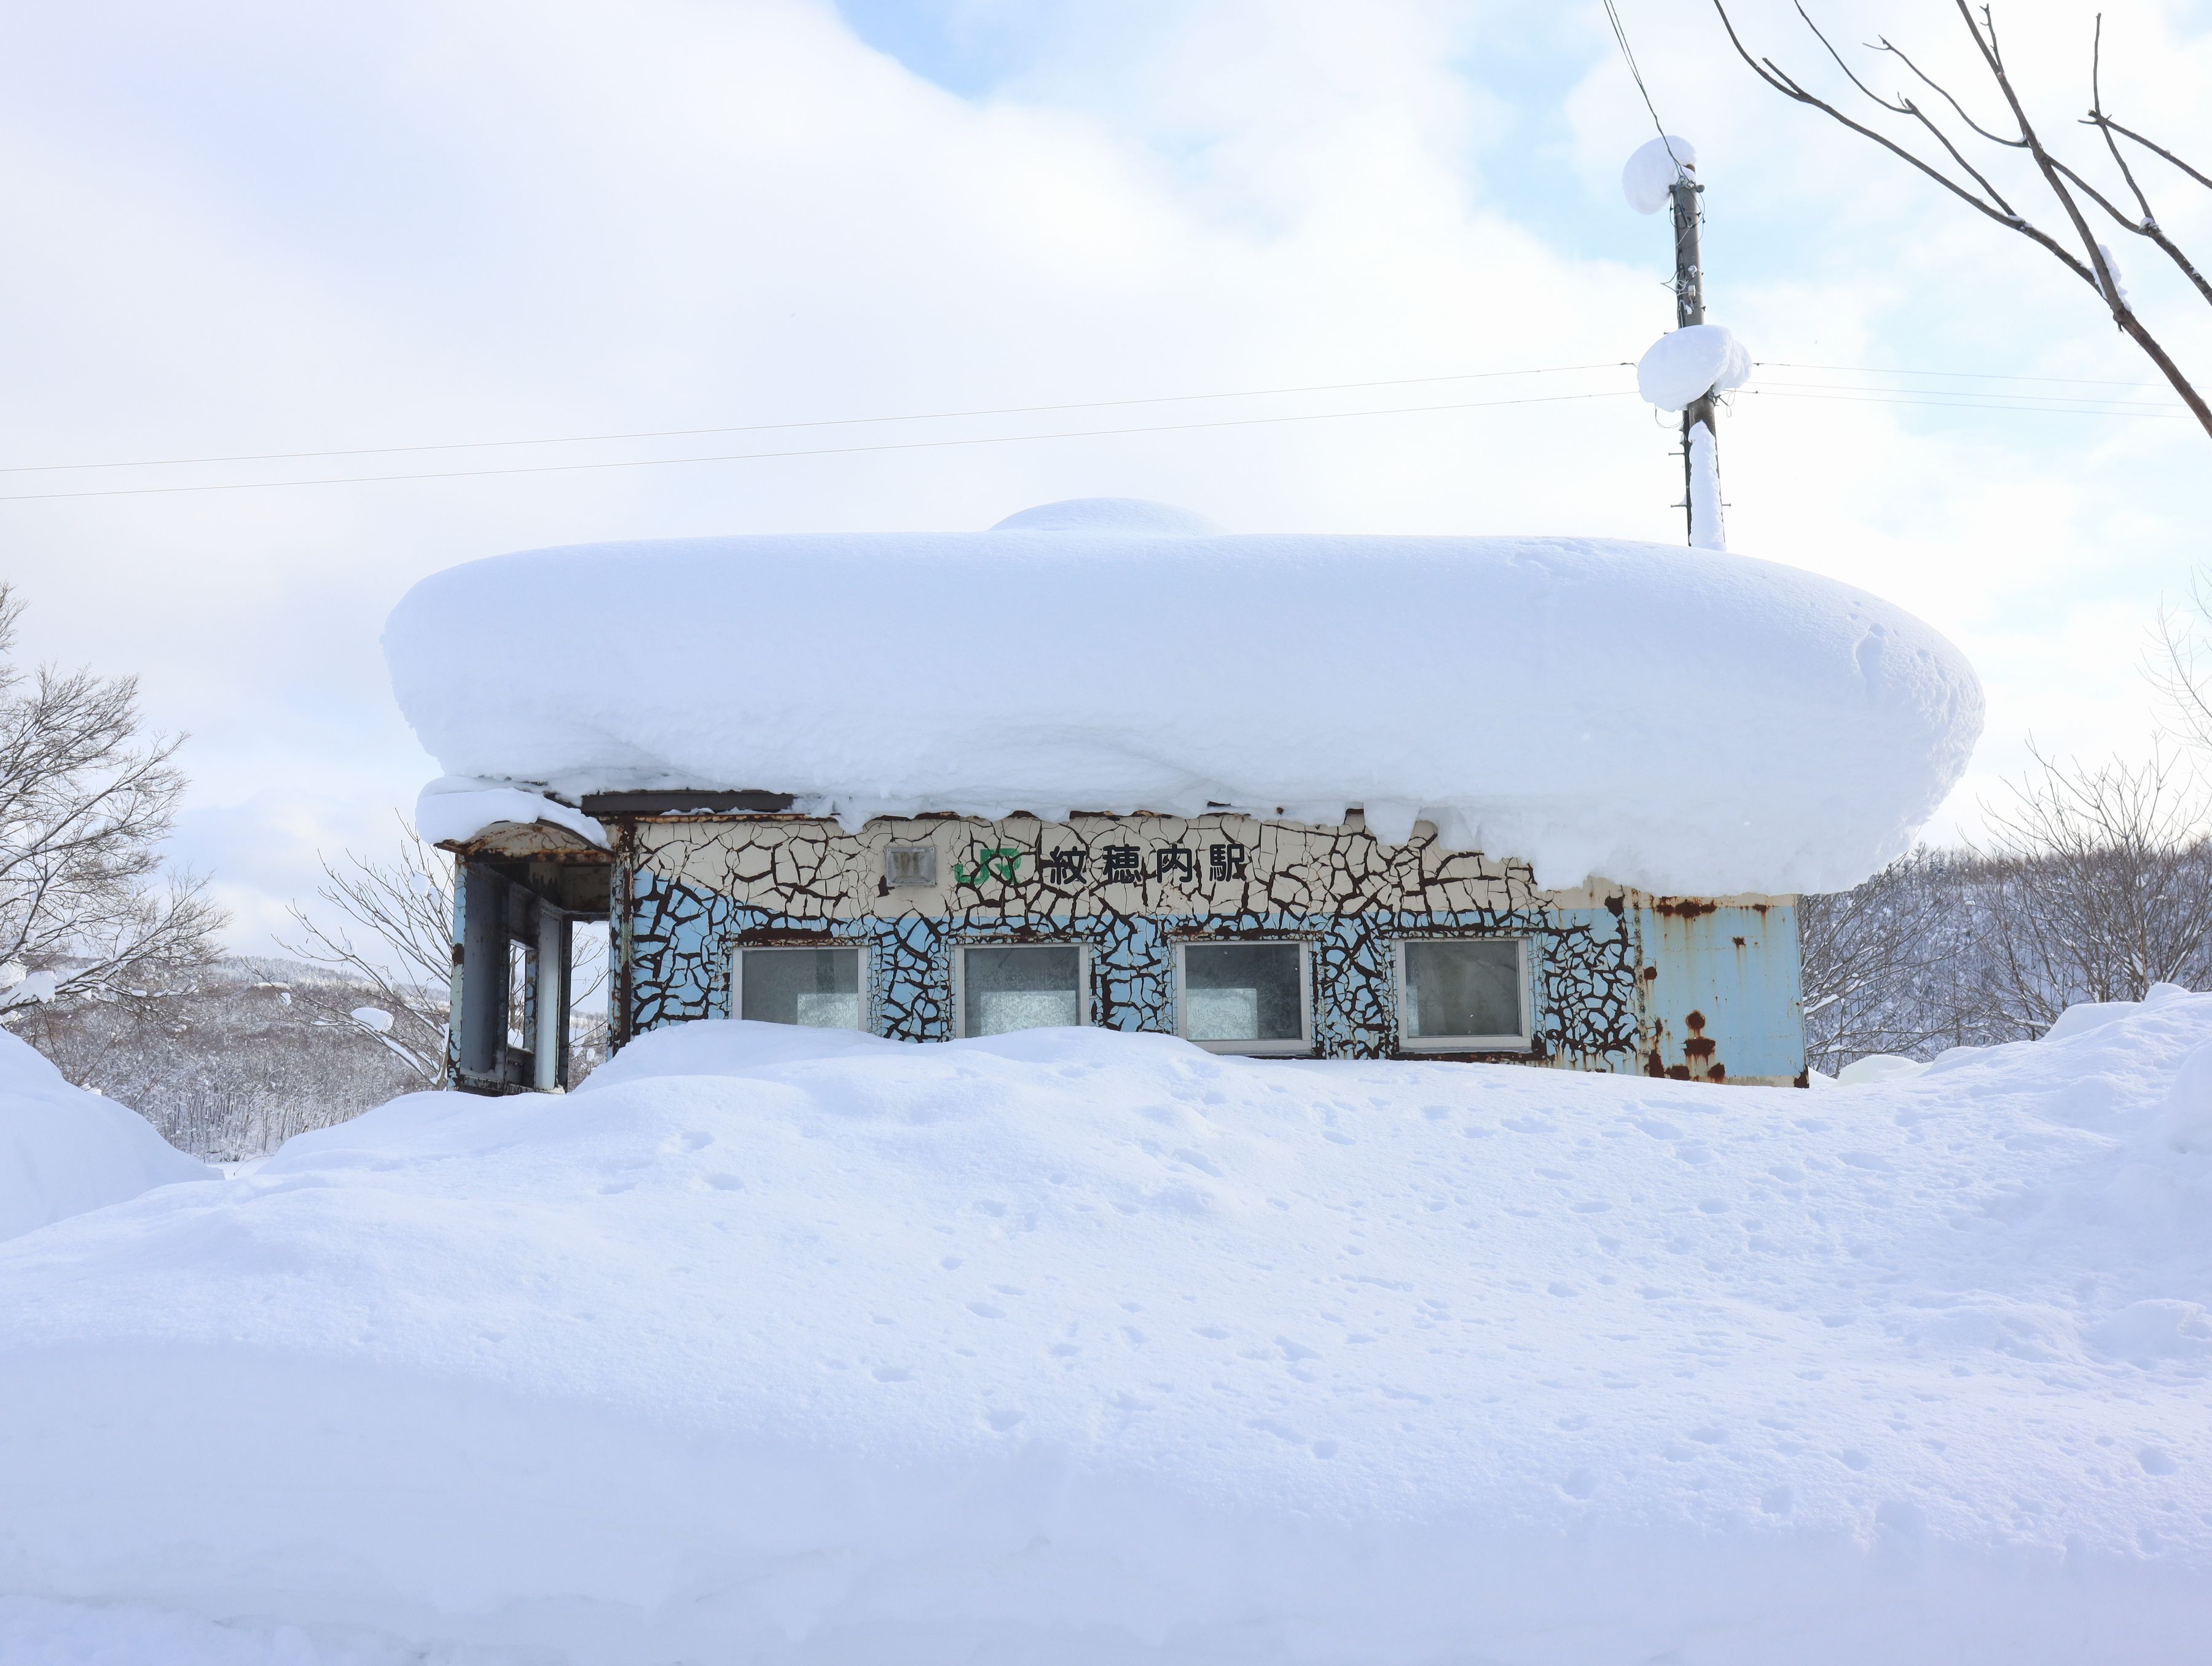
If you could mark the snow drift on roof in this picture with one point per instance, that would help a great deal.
(1678, 720)
(455, 809)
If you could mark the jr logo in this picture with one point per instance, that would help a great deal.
(995, 864)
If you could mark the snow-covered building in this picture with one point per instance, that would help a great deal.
(1548, 800)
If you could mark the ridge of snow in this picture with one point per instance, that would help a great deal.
(1647, 179)
(1685, 364)
(1681, 720)
(63, 1150)
(781, 1345)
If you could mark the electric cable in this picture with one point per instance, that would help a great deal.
(818, 422)
(824, 451)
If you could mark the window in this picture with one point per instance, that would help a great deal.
(819, 988)
(520, 994)
(1246, 997)
(1029, 987)
(910, 864)
(1461, 993)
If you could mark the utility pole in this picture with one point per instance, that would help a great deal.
(1689, 309)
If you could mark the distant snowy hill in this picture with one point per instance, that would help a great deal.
(776, 1345)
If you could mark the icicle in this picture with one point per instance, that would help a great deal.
(1706, 532)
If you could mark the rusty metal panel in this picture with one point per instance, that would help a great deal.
(1722, 999)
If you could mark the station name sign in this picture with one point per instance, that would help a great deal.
(1106, 865)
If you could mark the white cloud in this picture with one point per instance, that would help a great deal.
(262, 228)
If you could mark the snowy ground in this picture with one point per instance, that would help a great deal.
(798, 1347)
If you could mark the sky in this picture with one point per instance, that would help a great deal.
(243, 229)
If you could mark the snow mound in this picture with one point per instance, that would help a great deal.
(1685, 364)
(64, 1151)
(774, 1345)
(1106, 515)
(1648, 178)
(1879, 1067)
(455, 809)
(1684, 720)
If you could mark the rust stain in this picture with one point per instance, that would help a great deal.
(1699, 1048)
(1684, 908)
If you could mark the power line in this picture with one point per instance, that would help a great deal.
(820, 423)
(1942, 399)
(824, 451)
(1956, 375)
(1963, 402)
(2100, 401)
(1620, 35)
(1003, 410)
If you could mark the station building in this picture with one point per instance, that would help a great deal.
(1548, 802)
(1242, 935)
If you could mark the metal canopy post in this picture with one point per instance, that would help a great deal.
(549, 1046)
(483, 1032)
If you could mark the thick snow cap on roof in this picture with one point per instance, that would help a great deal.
(1683, 720)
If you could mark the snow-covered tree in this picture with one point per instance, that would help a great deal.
(87, 796)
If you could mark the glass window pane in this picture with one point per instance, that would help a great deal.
(1028, 988)
(819, 988)
(1470, 988)
(1242, 992)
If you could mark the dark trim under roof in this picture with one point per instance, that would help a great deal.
(685, 802)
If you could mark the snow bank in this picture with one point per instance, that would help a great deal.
(1682, 720)
(64, 1151)
(1685, 364)
(455, 809)
(772, 1345)
(1648, 178)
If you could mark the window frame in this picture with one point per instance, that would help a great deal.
(739, 951)
(1410, 1043)
(1083, 1008)
(1303, 1047)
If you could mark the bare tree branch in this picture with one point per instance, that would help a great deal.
(403, 912)
(1979, 191)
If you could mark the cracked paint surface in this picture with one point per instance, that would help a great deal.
(1128, 889)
